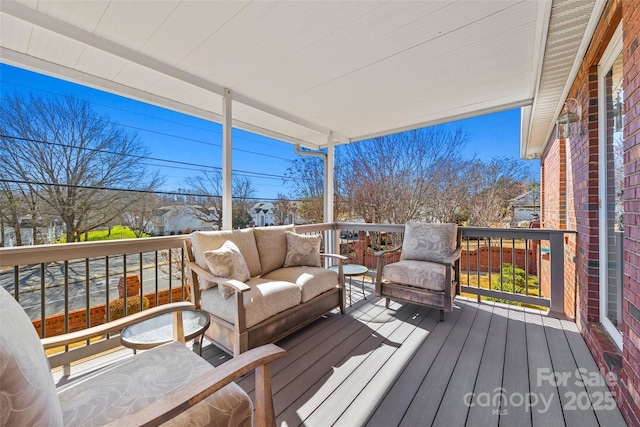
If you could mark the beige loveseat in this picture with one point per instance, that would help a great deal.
(260, 284)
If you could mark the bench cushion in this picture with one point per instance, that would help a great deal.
(272, 246)
(265, 299)
(421, 274)
(128, 386)
(312, 281)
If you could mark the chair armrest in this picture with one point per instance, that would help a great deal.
(452, 258)
(386, 251)
(187, 396)
(235, 284)
(340, 258)
(114, 326)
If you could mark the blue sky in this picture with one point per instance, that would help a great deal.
(177, 137)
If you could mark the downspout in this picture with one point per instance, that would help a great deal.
(323, 156)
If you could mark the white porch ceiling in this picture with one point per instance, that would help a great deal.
(301, 70)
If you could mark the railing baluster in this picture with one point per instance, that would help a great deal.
(124, 272)
(526, 267)
(170, 278)
(16, 283)
(155, 269)
(43, 318)
(141, 295)
(66, 368)
(107, 284)
(87, 295)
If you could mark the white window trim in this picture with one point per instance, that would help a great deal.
(606, 62)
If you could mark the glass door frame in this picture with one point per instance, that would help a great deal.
(613, 50)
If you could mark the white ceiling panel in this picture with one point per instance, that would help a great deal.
(304, 69)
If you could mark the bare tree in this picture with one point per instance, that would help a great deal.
(495, 183)
(282, 209)
(207, 189)
(243, 192)
(399, 177)
(207, 192)
(139, 215)
(306, 174)
(72, 158)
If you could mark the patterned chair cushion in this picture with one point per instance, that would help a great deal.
(227, 262)
(27, 392)
(303, 250)
(421, 274)
(272, 246)
(124, 388)
(428, 242)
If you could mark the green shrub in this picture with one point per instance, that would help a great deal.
(116, 307)
(510, 276)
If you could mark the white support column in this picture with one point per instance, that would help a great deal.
(227, 119)
(329, 181)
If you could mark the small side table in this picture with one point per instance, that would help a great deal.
(159, 330)
(351, 270)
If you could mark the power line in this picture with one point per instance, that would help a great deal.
(145, 158)
(128, 190)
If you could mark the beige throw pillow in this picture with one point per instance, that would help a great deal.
(303, 250)
(227, 262)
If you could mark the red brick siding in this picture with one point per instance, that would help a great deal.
(581, 163)
(631, 302)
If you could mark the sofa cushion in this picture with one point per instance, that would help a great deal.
(312, 281)
(265, 299)
(202, 241)
(128, 386)
(428, 242)
(229, 263)
(421, 274)
(27, 392)
(272, 246)
(303, 250)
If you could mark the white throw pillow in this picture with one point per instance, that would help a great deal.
(227, 262)
(303, 250)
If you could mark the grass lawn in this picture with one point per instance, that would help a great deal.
(481, 279)
(117, 232)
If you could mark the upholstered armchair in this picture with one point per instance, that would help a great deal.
(428, 271)
(169, 385)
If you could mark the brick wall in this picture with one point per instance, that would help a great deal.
(577, 159)
(631, 301)
(54, 325)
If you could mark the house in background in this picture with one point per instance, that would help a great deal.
(525, 207)
(178, 219)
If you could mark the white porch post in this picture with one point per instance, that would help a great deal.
(329, 181)
(227, 119)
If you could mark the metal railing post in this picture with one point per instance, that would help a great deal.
(556, 255)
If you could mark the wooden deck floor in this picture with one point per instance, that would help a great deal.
(485, 365)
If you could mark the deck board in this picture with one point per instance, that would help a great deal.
(400, 366)
(489, 377)
(545, 402)
(515, 376)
